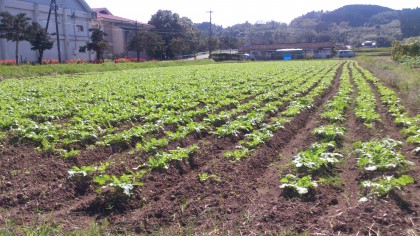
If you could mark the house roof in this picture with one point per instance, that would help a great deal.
(85, 5)
(271, 47)
(105, 15)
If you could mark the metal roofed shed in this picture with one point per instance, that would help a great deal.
(288, 54)
(268, 51)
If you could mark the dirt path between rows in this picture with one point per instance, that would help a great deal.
(241, 198)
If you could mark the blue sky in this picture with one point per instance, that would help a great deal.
(230, 12)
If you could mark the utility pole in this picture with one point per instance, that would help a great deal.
(137, 42)
(210, 34)
(230, 45)
(54, 4)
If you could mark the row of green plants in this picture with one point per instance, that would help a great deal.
(381, 160)
(386, 162)
(366, 103)
(126, 183)
(260, 129)
(213, 120)
(410, 125)
(74, 68)
(381, 157)
(93, 109)
(256, 117)
(159, 159)
(322, 155)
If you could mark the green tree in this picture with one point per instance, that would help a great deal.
(40, 40)
(168, 26)
(15, 29)
(190, 38)
(214, 43)
(410, 22)
(196, 43)
(148, 41)
(179, 34)
(97, 43)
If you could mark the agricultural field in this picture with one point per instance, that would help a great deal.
(299, 147)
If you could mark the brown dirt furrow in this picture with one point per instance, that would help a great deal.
(72, 201)
(268, 210)
(178, 197)
(31, 182)
(102, 154)
(238, 198)
(347, 195)
(396, 215)
(407, 200)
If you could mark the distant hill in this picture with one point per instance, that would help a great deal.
(354, 15)
(348, 25)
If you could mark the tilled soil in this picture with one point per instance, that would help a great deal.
(243, 198)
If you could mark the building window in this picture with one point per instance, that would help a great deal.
(80, 28)
(82, 49)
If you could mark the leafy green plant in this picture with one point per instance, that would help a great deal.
(380, 155)
(85, 170)
(317, 156)
(125, 183)
(237, 154)
(383, 186)
(300, 185)
(257, 138)
(162, 160)
(295, 107)
(366, 102)
(203, 177)
(152, 145)
(329, 132)
(67, 154)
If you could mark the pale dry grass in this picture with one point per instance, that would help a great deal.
(403, 79)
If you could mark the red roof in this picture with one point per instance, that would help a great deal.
(271, 47)
(105, 14)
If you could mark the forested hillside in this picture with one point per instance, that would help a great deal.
(351, 24)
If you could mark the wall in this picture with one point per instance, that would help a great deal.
(116, 38)
(71, 36)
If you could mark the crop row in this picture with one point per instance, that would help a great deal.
(89, 109)
(258, 135)
(321, 156)
(376, 156)
(381, 158)
(411, 125)
(210, 121)
(264, 104)
(366, 102)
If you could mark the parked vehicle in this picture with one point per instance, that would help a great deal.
(248, 57)
(345, 53)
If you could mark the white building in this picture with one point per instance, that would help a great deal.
(74, 17)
